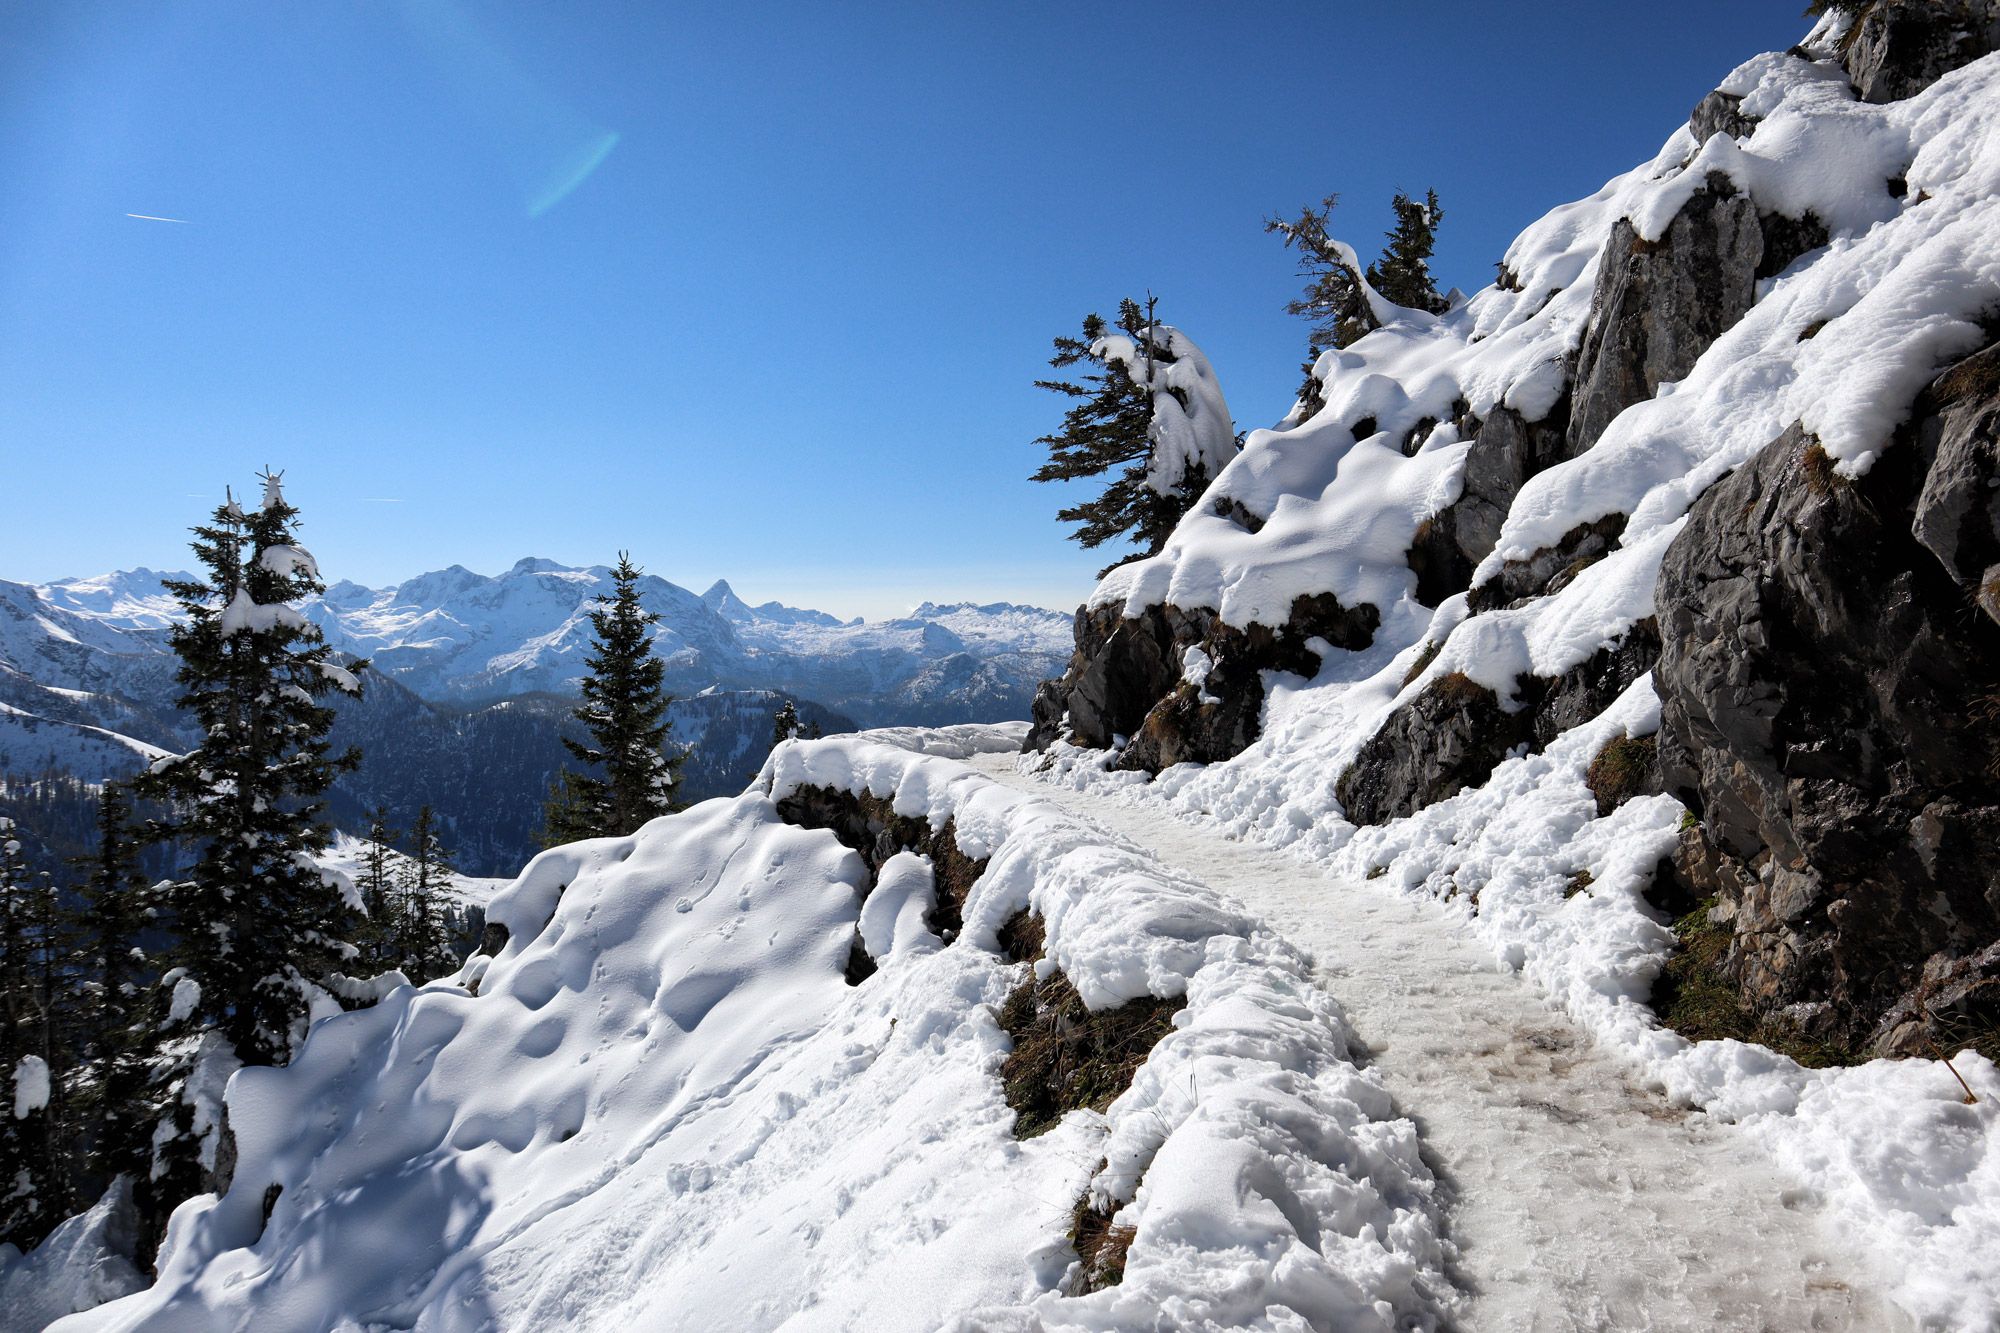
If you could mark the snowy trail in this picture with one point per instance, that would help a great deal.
(1578, 1200)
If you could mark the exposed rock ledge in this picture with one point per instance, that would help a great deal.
(1830, 683)
(1180, 684)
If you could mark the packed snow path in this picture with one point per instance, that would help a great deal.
(1578, 1200)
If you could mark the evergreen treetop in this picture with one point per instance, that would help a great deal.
(1111, 427)
(258, 923)
(1403, 273)
(1335, 302)
(785, 725)
(377, 886)
(116, 1021)
(34, 1158)
(424, 927)
(625, 711)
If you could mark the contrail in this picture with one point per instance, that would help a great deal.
(150, 218)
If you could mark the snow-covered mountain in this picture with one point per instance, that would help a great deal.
(454, 636)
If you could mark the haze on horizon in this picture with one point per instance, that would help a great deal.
(758, 294)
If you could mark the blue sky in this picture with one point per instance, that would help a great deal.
(755, 290)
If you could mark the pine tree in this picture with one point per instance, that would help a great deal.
(35, 1161)
(625, 710)
(785, 725)
(425, 931)
(1403, 273)
(376, 937)
(115, 1021)
(1111, 427)
(258, 925)
(1334, 303)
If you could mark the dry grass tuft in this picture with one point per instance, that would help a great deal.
(1459, 688)
(1023, 936)
(1695, 997)
(1623, 769)
(1068, 1057)
(1428, 656)
(1976, 1026)
(1816, 468)
(1100, 1246)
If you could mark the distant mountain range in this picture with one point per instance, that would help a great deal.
(472, 677)
(453, 635)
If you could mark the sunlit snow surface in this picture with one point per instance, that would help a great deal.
(1907, 1170)
(666, 1109)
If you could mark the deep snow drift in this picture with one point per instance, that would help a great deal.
(666, 1108)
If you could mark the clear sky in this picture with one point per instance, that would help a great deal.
(755, 290)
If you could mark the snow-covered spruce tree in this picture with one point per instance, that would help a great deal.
(258, 926)
(785, 725)
(423, 925)
(115, 1020)
(1334, 303)
(1153, 413)
(625, 710)
(35, 1162)
(1403, 273)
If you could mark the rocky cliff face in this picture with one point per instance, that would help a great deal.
(1824, 640)
(1831, 706)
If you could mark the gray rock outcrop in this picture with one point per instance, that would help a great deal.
(1128, 678)
(1831, 707)
(1898, 48)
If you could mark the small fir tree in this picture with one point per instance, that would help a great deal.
(785, 725)
(376, 884)
(1403, 273)
(1111, 428)
(424, 935)
(258, 924)
(625, 711)
(116, 1021)
(1335, 301)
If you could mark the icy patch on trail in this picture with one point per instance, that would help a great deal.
(667, 1109)
(1908, 1173)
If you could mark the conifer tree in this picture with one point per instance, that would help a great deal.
(258, 925)
(1333, 304)
(34, 1152)
(1111, 428)
(785, 725)
(424, 923)
(116, 1022)
(1403, 273)
(377, 887)
(625, 710)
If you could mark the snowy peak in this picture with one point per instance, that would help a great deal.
(129, 599)
(432, 589)
(722, 599)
